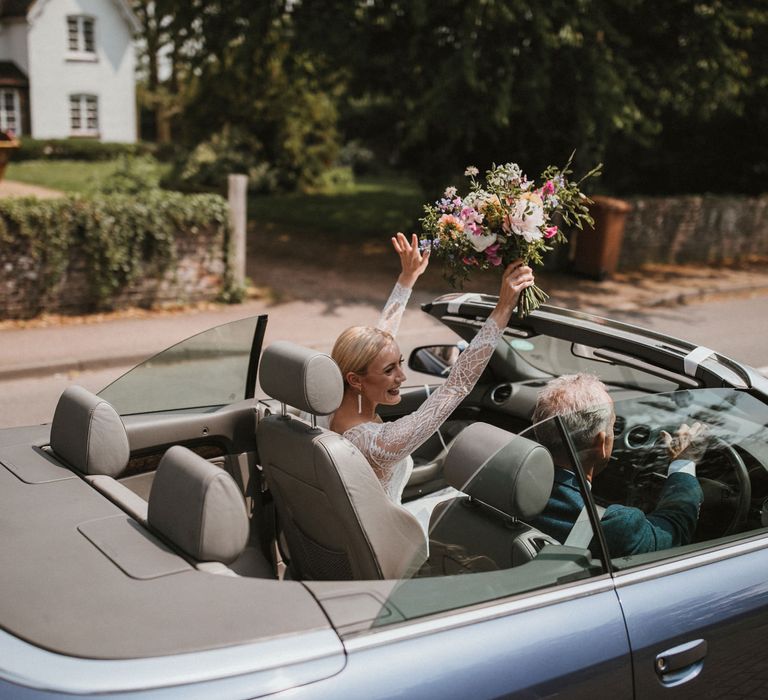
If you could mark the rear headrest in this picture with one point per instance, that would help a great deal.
(88, 433)
(505, 471)
(198, 507)
(305, 379)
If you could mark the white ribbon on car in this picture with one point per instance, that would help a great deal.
(694, 358)
(455, 304)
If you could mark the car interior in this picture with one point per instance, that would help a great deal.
(275, 496)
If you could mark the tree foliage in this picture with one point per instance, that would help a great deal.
(644, 85)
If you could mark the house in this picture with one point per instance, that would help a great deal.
(67, 69)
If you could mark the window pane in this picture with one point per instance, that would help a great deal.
(209, 369)
(483, 542)
(91, 106)
(716, 489)
(73, 33)
(88, 43)
(74, 112)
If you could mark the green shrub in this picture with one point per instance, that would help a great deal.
(207, 166)
(132, 175)
(76, 149)
(119, 236)
(335, 180)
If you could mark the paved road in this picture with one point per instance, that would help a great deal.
(30, 401)
(738, 328)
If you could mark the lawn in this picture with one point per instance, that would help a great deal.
(65, 175)
(372, 207)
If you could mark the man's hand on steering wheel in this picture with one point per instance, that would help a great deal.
(689, 443)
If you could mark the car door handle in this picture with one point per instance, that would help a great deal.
(682, 663)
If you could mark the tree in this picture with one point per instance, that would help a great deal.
(481, 80)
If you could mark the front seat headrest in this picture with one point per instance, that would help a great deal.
(89, 434)
(305, 379)
(198, 507)
(510, 473)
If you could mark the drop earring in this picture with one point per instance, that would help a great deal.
(360, 403)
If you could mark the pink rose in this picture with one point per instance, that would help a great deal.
(493, 256)
(550, 231)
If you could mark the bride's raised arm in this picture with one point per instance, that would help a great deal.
(413, 263)
(387, 443)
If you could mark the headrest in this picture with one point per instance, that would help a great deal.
(88, 433)
(503, 470)
(306, 379)
(198, 507)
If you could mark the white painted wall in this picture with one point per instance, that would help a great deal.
(13, 44)
(53, 78)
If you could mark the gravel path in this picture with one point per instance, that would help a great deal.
(12, 188)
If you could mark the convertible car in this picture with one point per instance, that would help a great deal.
(190, 531)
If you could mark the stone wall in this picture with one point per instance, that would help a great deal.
(699, 230)
(198, 275)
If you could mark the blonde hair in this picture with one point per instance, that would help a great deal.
(356, 348)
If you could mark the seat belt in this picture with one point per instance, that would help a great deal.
(581, 534)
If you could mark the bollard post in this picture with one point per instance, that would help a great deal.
(237, 193)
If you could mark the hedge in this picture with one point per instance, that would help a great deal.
(76, 149)
(115, 238)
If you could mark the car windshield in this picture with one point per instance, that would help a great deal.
(208, 369)
(555, 357)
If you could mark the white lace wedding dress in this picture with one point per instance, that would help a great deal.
(388, 446)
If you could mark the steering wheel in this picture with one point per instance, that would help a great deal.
(717, 493)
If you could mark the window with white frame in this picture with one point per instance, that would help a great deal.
(81, 40)
(10, 111)
(84, 115)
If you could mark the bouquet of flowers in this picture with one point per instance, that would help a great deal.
(505, 218)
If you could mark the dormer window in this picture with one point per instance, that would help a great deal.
(81, 41)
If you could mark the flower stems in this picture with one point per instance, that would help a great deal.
(531, 298)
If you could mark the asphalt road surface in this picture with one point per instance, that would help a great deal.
(736, 327)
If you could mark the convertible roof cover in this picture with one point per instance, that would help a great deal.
(657, 349)
(79, 577)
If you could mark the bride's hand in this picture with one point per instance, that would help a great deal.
(517, 276)
(412, 261)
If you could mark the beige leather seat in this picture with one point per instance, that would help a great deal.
(88, 435)
(336, 518)
(198, 508)
(507, 480)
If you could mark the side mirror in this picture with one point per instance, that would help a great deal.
(436, 360)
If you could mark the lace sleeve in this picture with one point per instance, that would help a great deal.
(384, 444)
(392, 313)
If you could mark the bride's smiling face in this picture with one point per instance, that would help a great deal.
(383, 377)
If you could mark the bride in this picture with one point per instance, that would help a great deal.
(371, 366)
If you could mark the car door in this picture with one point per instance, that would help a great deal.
(697, 614)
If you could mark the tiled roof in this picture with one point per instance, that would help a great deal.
(14, 8)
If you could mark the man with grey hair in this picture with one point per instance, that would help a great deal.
(586, 409)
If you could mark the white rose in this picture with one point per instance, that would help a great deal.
(526, 218)
(482, 241)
